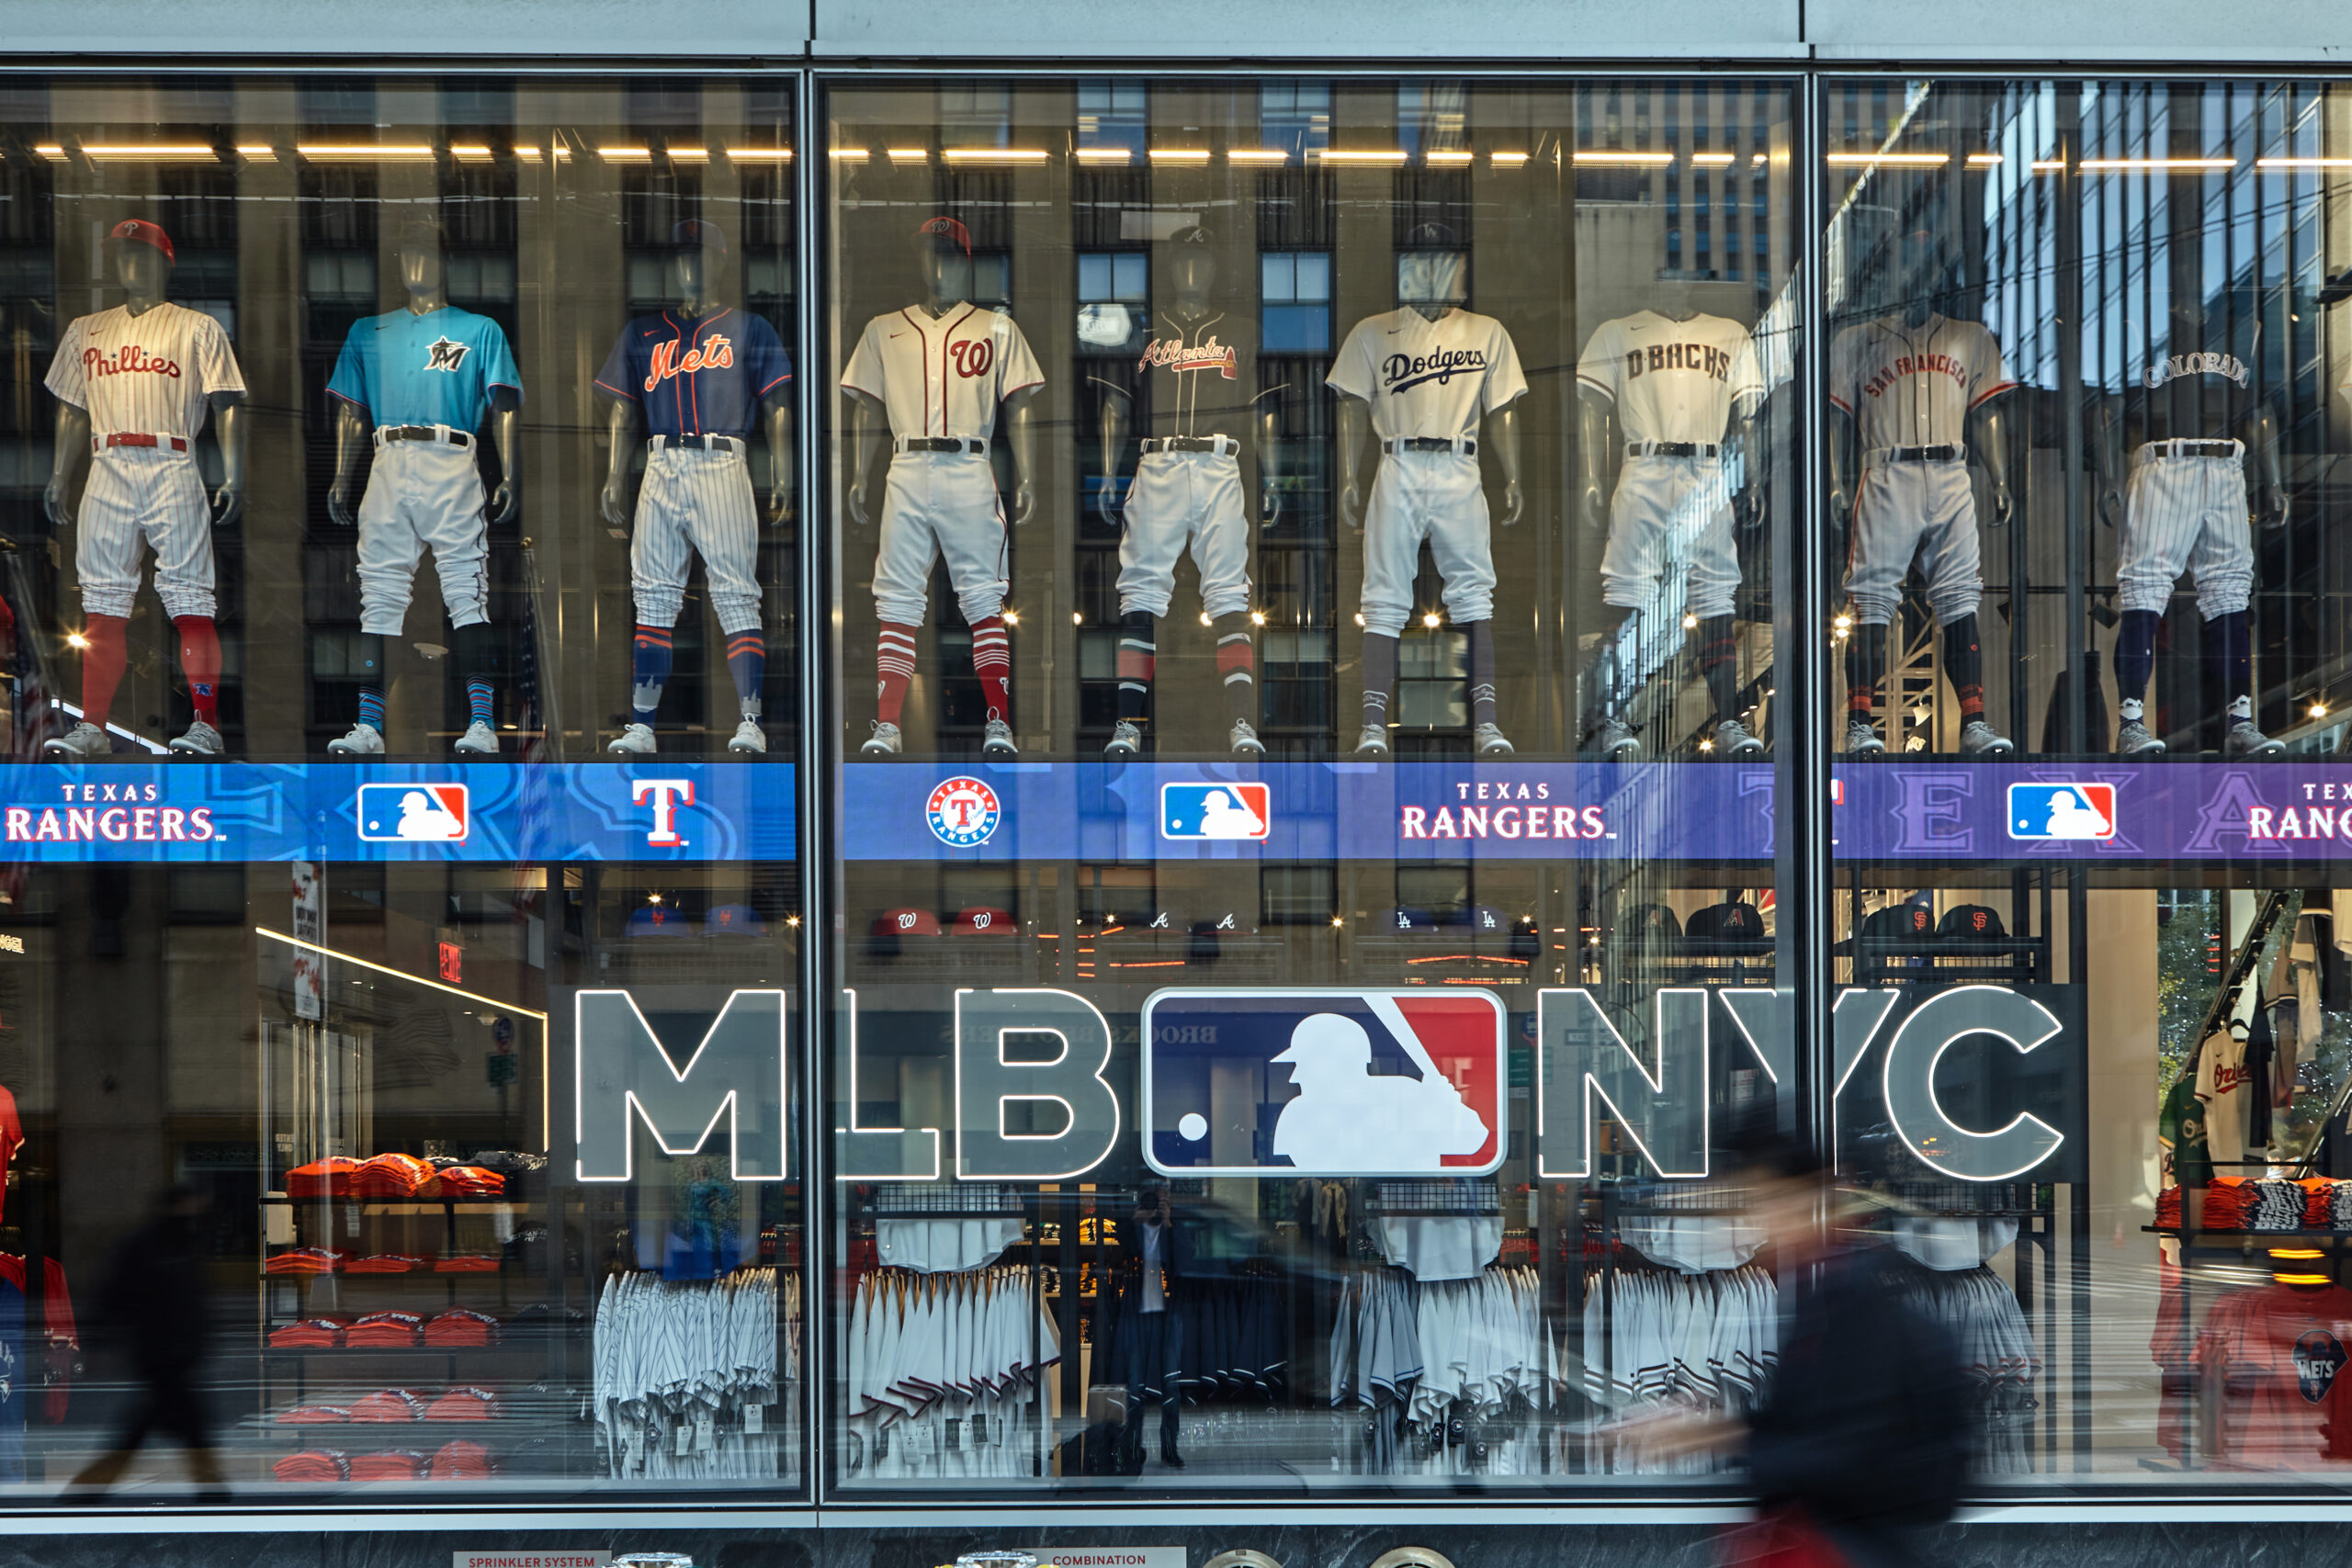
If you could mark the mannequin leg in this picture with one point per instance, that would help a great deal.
(1138, 660)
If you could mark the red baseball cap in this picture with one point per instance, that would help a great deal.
(146, 233)
(943, 231)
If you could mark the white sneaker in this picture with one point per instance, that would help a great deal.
(996, 741)
(1373, 741)
(201, 740)
(2133, 740)
(637, 740)
(1732, 739)
(365, 741)
(1488, 740)
(1126, 741)
(479, 740)
(882, 742)
(749, 737)
(1862, 739)
(1616, 743)
(2243, 740)
(1244, 739)
(81, 743)
(1978, 738)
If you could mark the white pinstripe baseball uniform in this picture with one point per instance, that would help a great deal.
(698, 381)
(2184, 507)
(1428, 381)
(941, 379)
(146, 380)
(1673, 383)
(1911, 390)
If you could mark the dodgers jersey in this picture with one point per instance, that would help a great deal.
(1671, 381)
(148, 374)
(436, 368)
(943, 376)
(1910, 385)
(1197, 379)
(1428, 378)
(696, 374)
(2200, 389)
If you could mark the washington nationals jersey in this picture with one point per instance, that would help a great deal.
(436, 368)
(1671, 381)
(1428, 378)
(1196, 378)
(2202, 388)
(1909, 386)
(696, 374)
(148, 374)
(941, 376)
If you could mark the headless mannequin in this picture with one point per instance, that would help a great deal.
(1431, 283)
(145, 273)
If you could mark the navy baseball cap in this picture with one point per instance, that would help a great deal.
(943, 233)
(698, 234)
(1192, 234)
(1433, 237)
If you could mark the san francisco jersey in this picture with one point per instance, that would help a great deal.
(1196, 378)
(945, 374)
(1671, 381)
(2195, 388)
(434, 369)
(696, 374)
(148, 374)
(1428, 378)
(1910, 385)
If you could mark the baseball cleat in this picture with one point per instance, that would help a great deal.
(2133, 740)
(1244, 741)
(80, 744)
(749, 737)
(1732, 739)
(1861, 739)
(1616, 743)
(2245, 740)
(1373, 742)
(1488, 740)
(884, 742)
(637, 740)
(365, 741)
(479, 740)
(201, 740)
(1126, 741)
(1978, 738)
(996, 741)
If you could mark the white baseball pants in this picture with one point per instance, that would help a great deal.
(1907, 512)
(695, 498)
(144, 496)
(1670, 520)
(1435, 496)
(1181, 499)
(2186, 514)
(422, 496)
(940, 504)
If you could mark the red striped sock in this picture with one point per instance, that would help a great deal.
(102, 665)
(993, 662)
(200, 660)
(894, 661)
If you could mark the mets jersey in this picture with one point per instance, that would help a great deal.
(1671, 381)
(148, 374)
(1434, 379)
(696, 374)
(941, 376)
(1196, 378)
(436, 368)
(1910, 385)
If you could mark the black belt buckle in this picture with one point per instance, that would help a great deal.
(1943, 453)
(1427, 443)
(936, 444)
(1674, 448)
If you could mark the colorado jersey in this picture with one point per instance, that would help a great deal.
(148, 374)
(2197, 387)
(1910, 385)
(436, 368)
(1671, 381)
(1196, 378)
(941, 376)
(696, 374)
(1427, 379)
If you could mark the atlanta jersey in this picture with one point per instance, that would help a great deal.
(941, 376)
(1196, 378)
(1434, 380)
(144, 375)
(1909, 386)
(696, 374)
(434, 369)
(1671, 381)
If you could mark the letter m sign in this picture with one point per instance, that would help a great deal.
(735, 1077)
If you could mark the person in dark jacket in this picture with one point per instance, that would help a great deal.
(157, 1299)
(1153, 1256)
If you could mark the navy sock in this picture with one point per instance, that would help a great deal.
(651, 673)
(374, 679)
(2231, 643)
(747, 660)
(2135, 662)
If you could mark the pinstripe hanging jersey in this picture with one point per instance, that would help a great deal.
(148, 374)
(696, 374)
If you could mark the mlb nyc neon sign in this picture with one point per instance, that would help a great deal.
(738, 1075)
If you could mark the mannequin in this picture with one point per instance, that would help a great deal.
(1914, 396)
(1680, 388)
(1419, 379)
(419, 381)
(134, 384)
(1194, 404)
(699, 374)
(2199, 438)
(929, 382)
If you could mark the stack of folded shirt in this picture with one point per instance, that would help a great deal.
(468, 1263)
(463, 1181)
(384, 1263)
(303, 1260)
(313, 1416)
(2168, 1209)
(2228, 1201)
(312, 1465)
(2319, 1202)
(391, 1175)
(328, 1177)
(2278, 1206)
(463, 1404)
(509, 1162)
(389, 1404)
(389, 1464)
(310, 1332)
(460, 1325)
(384, 1331)
(2339, 1216)
(461, 1460)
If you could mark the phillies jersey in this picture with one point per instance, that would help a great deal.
(696, 374)
(146, 375)
(1671, 381)
(1196, 378)
(1428, 378)
(2200, 388)
(1910, 385)
(945, 374)
(436, 368)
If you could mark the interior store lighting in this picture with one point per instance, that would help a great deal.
(1104, 155)
(1887, 159)
(120, 152)
(1618, 158)
(1381, 156)
(365, 152)
(1711, 160)
(1189, 156)
(1256, 155)
(994, 154)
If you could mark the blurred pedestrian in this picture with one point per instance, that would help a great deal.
(156, 1296)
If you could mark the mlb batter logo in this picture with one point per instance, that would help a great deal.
(414, 813)
(2062, 811)
(1332, 1082)
(1215, 810)
(964, 812)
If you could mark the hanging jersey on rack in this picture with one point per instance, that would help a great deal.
(2273, 1355)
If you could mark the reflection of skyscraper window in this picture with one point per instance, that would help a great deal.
(1432, 116)
(1111, 115)
(1295, 295)
(1294, 116)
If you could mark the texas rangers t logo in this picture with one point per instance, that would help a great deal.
(963, 812)
(446, 353)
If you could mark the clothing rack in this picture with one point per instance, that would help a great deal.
(947, 1203)
(1461, 1196)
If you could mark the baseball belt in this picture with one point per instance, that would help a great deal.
(439, 434)
(1672, 449)
(2150, 451)
(1948, 452)
(1221, 444)
(940, 444)
(1394, 445)
(698, 443)
(138, 438)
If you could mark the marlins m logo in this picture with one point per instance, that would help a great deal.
(624, 1076)
(446, 353)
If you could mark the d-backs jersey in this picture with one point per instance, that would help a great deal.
(945, 374)
(696, 374)
(2197, 389)
(436, 368)
(1671, 381)
(148, 374)
(1910, 385)
(1434, 380)
(1196, 378)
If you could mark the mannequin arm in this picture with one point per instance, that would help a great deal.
(620, 425)
(1113, 441)
(777, 411)
(350, 442)
(228, 426)
(1748, 445)
(1356, 429)
(1269, 469)
(2262, 474)
(65, 461)
(1020, 434)
(1503, 438)
(505, 430)
(1593, 450)
(2107, 463)
(868, 430)
(1988, 433)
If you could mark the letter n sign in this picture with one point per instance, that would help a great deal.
(733, 1085)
